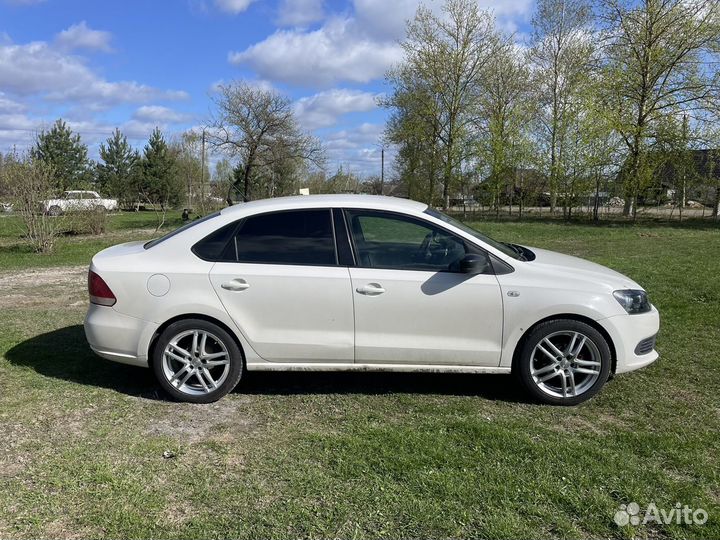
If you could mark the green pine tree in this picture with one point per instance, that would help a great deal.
(115, 173)
(159, 181)
(65, 152)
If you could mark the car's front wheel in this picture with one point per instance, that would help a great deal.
(197, 361)
(564, 362)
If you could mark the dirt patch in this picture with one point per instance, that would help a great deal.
(221, 421)
(64, 528)
(46, 287)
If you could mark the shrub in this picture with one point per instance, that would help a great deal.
(30, 182)
(91, 222)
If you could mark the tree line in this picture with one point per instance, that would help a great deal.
(607, 102)
(162, 174)
(612, 98)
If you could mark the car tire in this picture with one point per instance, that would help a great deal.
(563, 362)
(55, 210)
(197, 361)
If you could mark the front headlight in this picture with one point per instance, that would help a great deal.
(633, 301)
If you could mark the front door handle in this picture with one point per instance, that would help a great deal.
(371, 289)
(237, 284)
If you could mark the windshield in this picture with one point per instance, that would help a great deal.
(185, 227)
(507, 249)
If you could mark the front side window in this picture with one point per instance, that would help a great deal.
(394, 241)
(303, 237)
(503, 248)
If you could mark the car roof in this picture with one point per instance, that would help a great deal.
(377, 202)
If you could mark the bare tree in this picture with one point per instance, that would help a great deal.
(448, 52)
(414, 127)
(503, 110)
(561, 55)
(660, 61)
(258, 127)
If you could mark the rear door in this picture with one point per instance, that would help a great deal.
(412, 305)
(282, 285)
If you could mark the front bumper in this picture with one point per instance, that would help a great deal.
(118, 337)
(627, 332)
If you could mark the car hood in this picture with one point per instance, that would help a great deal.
(572, 269)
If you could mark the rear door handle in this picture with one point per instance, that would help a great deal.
(371, 289)
(237, 284)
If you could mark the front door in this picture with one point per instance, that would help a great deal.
(412, 305)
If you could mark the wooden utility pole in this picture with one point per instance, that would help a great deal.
(382, 170)
(202, 172)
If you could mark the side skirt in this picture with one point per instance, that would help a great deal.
(420, 368)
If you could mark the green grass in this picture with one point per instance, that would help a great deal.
(122, 227)
(361, 455)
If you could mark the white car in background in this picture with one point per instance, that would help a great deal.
(358, 283)
(78, 201)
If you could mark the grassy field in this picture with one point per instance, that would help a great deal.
(91, 449)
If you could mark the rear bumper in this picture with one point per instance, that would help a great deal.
(626, 332)
(118, 337)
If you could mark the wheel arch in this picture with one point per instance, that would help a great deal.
(208, 318)
(575, 317)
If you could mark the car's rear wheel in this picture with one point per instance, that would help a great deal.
(564, 362)
(197, 361)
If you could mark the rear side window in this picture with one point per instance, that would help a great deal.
(217, 247)
(185, 227)
(303, 237)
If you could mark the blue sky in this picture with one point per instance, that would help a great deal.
(137, 64)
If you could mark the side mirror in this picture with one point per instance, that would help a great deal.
(474, 263)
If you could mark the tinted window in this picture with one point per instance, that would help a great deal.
(504, 248)
(218, 246)
(384, 240)
(185, 227)
(295, 237)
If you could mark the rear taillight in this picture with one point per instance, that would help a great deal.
(100, 293)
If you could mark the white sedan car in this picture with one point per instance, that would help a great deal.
(357, 283)
(78, 201)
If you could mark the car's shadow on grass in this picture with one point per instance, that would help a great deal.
(64, 354)
(492, 387)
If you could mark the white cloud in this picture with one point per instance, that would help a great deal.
(259, 84)
(382, 22)
(358, 47)
(158, 113)
(233, 6)
(9, 106)
(81, 36)
(300, 12)
(337, 51)
(357, 149)
(20, 130)
(325, 108)
(38, 69)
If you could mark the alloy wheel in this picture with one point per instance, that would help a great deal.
(565, 364)
(195, 362)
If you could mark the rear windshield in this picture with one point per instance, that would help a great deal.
(156, 241)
